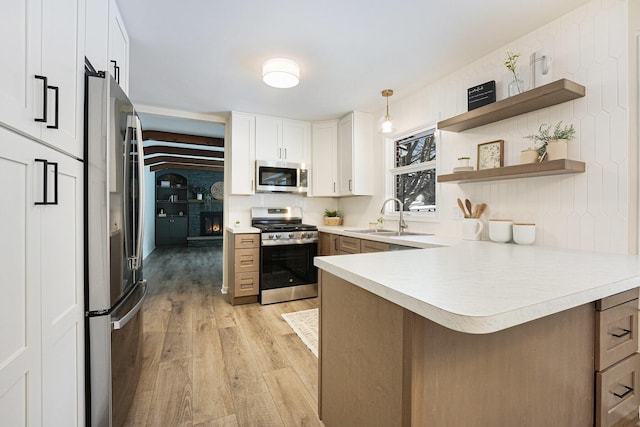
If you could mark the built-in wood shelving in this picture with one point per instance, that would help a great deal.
(544, 96)
(551, 167)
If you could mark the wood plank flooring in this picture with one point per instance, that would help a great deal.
(207, 363)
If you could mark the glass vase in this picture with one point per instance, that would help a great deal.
(516, 86)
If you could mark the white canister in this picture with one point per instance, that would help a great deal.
(524, 234)
(500, 230)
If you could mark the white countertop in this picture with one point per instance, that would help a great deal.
(484, 287)
(242, 230)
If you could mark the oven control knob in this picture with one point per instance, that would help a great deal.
(278, 236)
(270, 236)
(304, 235)
(292, 235)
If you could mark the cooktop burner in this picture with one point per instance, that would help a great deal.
(266, 228)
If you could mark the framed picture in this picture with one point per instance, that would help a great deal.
(491, 155)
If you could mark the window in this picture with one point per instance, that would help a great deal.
(414, 171)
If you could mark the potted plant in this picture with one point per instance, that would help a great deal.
(332, 217)
(198, 191)
(553, 143)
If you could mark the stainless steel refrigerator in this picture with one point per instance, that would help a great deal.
(114, 224)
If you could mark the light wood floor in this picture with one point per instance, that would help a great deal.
(207, 363)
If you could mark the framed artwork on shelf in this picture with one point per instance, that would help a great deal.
(491, 155)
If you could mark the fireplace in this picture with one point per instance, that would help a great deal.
(211, 223)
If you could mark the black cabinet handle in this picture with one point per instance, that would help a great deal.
(55, 122)
(44, 98)
(116, 71)
(623, 395)
(624, 333)
(45, 198)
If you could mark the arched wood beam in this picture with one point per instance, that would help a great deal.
(183, 166)
(164, 149)
(182, 138)
(185, 160)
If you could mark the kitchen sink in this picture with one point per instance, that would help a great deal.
(390, 232)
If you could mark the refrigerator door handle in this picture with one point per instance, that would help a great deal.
(119, 324)
(141, 195)
(125, 199)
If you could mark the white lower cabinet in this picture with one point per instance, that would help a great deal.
(41, 312)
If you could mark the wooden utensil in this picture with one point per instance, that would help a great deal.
(481, 209)
(467, 203)
(464, 212)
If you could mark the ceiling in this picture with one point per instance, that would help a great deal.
(205, 56)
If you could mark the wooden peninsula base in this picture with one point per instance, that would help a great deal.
(383, 365)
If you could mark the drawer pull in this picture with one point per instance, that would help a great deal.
(624, 333)
(625, 394)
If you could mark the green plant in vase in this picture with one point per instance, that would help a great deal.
(511, 62)
(332, 217)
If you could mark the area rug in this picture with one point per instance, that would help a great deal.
(305, 325)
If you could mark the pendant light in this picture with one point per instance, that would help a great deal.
(385, 125)
(281, 73)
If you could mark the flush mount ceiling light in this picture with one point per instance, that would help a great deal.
(386, 126)
(281, 73)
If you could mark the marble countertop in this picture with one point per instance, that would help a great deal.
(484, 287)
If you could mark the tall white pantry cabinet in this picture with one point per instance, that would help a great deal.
(41, 243)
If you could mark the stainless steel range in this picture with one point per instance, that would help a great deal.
(287, 248)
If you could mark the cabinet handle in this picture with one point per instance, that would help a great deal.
(280, 153)
(625, 394)
(44, 99)
(334, 186)
(116, 71)
(45, 198)
(624, 333)
(349, 185)
(251, 185)
(57, 105)
(285, 154)
(335, 244)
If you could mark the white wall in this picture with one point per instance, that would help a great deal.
(591, 211)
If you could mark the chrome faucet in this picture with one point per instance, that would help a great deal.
(401, 224)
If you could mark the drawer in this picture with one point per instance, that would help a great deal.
(617, 399)
(616, 334)
(372, 246)
(246, 284)
(617, 299)
(247, 260)
(349, 244)
(243, 241)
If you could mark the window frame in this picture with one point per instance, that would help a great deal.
(391, 211)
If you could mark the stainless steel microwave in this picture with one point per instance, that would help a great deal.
(281, 177)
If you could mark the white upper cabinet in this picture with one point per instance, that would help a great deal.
(324, 159)
(296, 141)
(118, 48)
(97, 33)
(44, 39)
(355, 154)
(243, 153)
(282, 140)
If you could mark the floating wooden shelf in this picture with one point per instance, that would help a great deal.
(551, 167)
(544, 96)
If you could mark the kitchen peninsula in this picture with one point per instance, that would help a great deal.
(478, 334)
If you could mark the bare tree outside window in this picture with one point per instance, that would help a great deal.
(415, 171)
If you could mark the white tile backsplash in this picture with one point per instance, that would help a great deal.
(583, 211)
